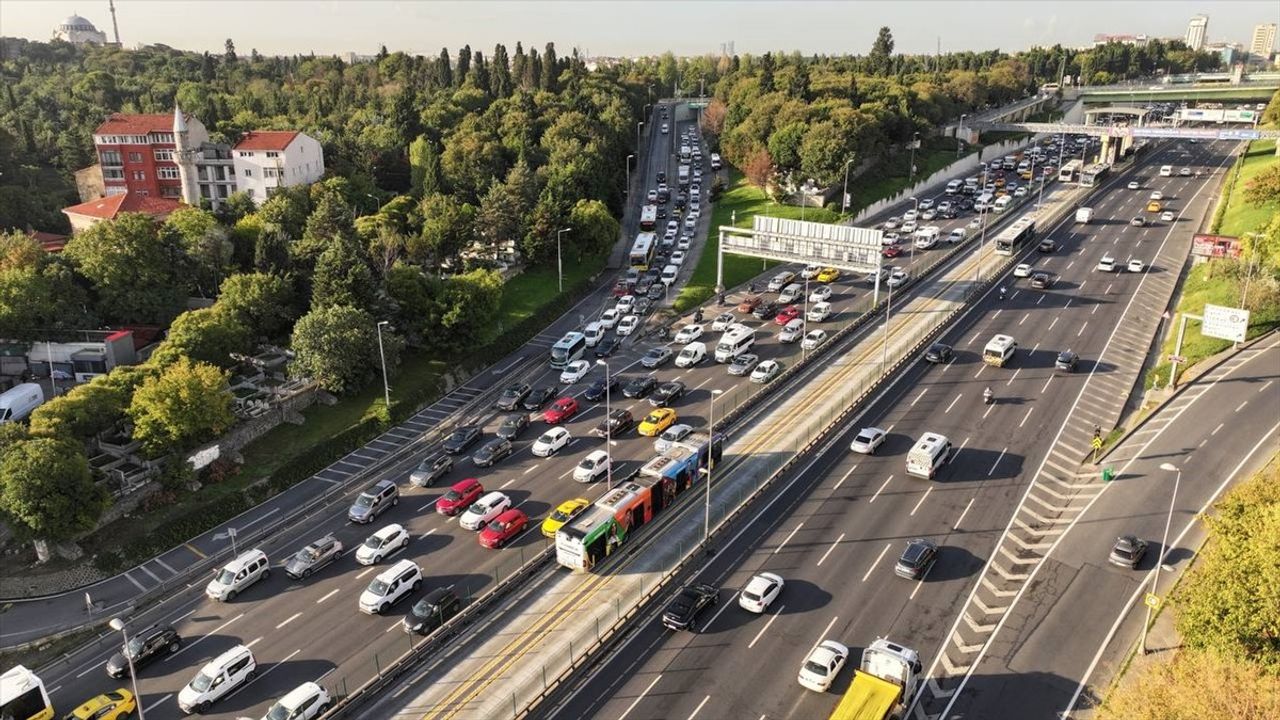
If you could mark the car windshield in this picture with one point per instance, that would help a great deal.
(653, 418)
(278, 712)
(453, 495)
(560, 516)
(459, 435)
(815, 668)
(201, 682)
(134, 647)
(496, 526)
(226, 577)
(364, 500)
(865, 436)
(478, 508)
(1124, 550)
(374, 542)
(307, 554)
(377, 587)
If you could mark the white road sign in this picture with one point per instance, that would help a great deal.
(1225, 322)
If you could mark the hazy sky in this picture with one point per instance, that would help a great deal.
(609, 27)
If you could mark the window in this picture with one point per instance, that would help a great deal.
(117, 189)
(135, 157)
(168, 173)
(139, 174)
(163, 155)
(222, 191)
(248, 172)
(244, 153)
(270, 172)
(204, 192)
(272, 153)
(110, 157)
(169, 191)
(112, 173)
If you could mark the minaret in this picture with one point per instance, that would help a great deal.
(185, 156)
(115, 27)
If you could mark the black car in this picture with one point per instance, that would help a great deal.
(682, 613)
(491, 452)
(662, 210)
(916, 559)
(765, 310)
(656, 357)
(657, 291)
(461, 439)
(642, 306)
(662, 175)
(1041, 281)
(511, 398)
(143, 647)
(939, 353)
(431, 469)
(1128, 551)
(643, 285)
(313, 557)
(640, 386)
(1047, 245)
(539, 397)
(607, 346)
(599, 389)
(667, 393)
(432, 611)
(1067, 361)
(512, 425)
(619, 421)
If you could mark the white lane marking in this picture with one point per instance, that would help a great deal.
(696, 710)
(772, 617)
(882, 487)
(424, 535)
(424, 507)
(129, 577)
(639, 697)
(288, 620)
(997, 462)
(981, 368)
(1264, 387)
(916, 589)
(187, 646)
(784, 542)
(90, 669)
(825, 630)
(366, 572)
(833, 547)
(1055, 322)
(161, 700)
(913, 402)
(921, 501)
(1241, 406)
(253, 642)
(846, 477)
(1215, 430)
(531, 469)
(873, 566)
(1082, 327)
(990, 407)
(328, 595)
(1046, 385)
(1094, 311)
(165, 565)
(962, 514)
(1015, 375)
(1025, 316)
(953, 404)
(504, 485)
(1024, 417)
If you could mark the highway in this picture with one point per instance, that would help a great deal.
(840, 527)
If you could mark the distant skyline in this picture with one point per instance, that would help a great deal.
(622, 27)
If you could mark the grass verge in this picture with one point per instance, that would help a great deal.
(1239, 216)
(891, 176)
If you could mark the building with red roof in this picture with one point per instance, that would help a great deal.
(270, 159)
(88, 214)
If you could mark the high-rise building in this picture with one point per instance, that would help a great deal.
(1196, 31)
(1264, 39)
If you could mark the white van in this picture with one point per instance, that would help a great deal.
(217, 679)
(928, 454)
(1002, 203)
(927, 236)
(957, 235)
(390, 586)
(18, 401)
(692, 354)
(594, 333)
(736, 340)
(1166, 170)
(236, 576)
(954, 186)
(1084, 215)
(668, 276)
(715, 161)
(983, 202)
(999, 350)
(305, 702)
(593, 467)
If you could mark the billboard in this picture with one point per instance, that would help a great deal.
(1225, 323)
(1217, 116)
(1215, 246)
(842, 246)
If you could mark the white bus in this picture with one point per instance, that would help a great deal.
(1093, 174)
(928, 454)
(648, 217)
(1070, 170)
(567, 349)
(736, 340)
(23, 697)
(642, 251)
(1012, 237)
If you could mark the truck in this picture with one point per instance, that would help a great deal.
(1084, 215)
(683, 177)
(18, 401)
(883, 685)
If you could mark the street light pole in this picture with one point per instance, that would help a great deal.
(844, 198)
(627, 187)
(559, 258)
(958, 131)
(915, 209)
(118, 625)
(386, 389)
(639, 125)
(911, 171)
(608, 435)
(711, 431)
(1164, 550)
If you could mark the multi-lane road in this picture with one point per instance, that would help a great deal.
(842, 522)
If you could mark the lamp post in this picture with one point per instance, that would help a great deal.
(911, 171)
(1164, 550)
(915, 209)
(646, 109)
(805, 353)
(627, 187)
(639, 125)
(711, 431)
(608, 434)
(118, 625)
(559, 258)
(844, 198)
(386, 389)
(958, 131)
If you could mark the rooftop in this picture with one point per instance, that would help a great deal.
(108, 207)
(266, 140)
(125, 124)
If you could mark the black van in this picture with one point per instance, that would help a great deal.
(432, 611)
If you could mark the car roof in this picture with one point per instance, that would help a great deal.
(389, 530)
(465, 484)
(492, 497)
(761, 581)
(400, 566)
(294, 697)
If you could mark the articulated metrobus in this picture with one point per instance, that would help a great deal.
(648, 217)
(23, 697)
(1012, 237)
(642, 251)
(567, 349)
(1070, 170)
(1093, 174)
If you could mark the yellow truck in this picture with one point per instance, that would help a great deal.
(883, 686)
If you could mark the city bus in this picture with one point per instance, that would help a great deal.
(602, 528)
(1012, 238)
(642, 251)
(23, 697)
(648, 217)
(567, 349)
(1070, 170)
(1093, 174)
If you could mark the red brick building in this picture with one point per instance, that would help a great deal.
(137, 155)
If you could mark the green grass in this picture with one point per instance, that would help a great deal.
(890, 177)
(1241, 217)
(747, 201)
(525, 293)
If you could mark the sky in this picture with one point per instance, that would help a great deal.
(622, 27)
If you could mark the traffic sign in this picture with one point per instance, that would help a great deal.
(1180, 359)
(1096, 443)
(1151, 601)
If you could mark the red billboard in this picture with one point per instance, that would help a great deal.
(1215, 246)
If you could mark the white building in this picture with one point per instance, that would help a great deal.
(1196, 30)
(78, 30)
(266, 160)
(1264, 39)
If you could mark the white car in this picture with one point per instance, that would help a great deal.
(822, 293)
(1133, 185)
(909, 227)
(722, 322)
(688, 334)
(485, 509)
(379, 545)
(926, 204)
(868, 439)
(592, 467)
(625, 304)
(684, 242)
(760, 592)
(677, 258)
(780, 281)
(892, 223)
(929, 214)
(766, 371)
(392, 584)
(898, 278)
(609, 318)
(823, 665)
(813, 339)
(1184, 172)
(819, 312)
(1020, 191)
(792, 331)
(691, 354)
(550, 442)
(671, 435)
(1157, 195)
(910, 215)
(1106, 264)
(690, 222)
(956, 235)
(574, 371)
(305, 702)
(628, 325)
(1135, 266)
(593, 334)
(1023, 270)
(791, 293)
(673, 226)
(1167, 216)
(810, 272)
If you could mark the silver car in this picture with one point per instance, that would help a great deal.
(313, 557)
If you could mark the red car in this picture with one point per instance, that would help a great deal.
(787, 314)
(561, 410)
(621, 288)
(504, 528)
(891, 251)
(460, 497)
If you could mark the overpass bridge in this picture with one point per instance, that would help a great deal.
(1257, 90)
(1118, 139)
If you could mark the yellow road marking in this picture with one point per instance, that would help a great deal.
(194, 550)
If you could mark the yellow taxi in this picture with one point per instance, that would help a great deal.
(564, 512)
(1153, 206)
(111, 706)
(999, 181)
(828, 274)
(657, 421)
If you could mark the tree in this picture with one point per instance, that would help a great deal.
(207, 335)
(550, 70)
(81, 413)
(470, 302)
(271, 250)
(135, 270)
(342, 277)
(1262, 248)
(824, 152)
(446, 230)
(424, 167)
(47, 490)
(759, 169)
(443, 71)
(500, 73)
(19, 251)
(766, 73)
(261, 302)
(713, 116)
(784, 145)
(594, 229)
(501, 216)
(36, 300)
(1264, 188)
(464, 66)
(229, 52)
(338, 348)
(328, 224)
(881, 50)
(798, 85)
(417, 300)
(205, 243)
(1175, 689)
(184, 405)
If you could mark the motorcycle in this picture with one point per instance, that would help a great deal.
(1003, 293)
(988, 397)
